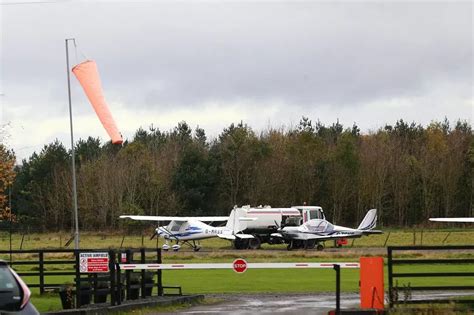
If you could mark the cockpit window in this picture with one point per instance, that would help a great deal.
(321, 226)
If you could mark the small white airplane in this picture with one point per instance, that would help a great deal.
(312, 232)
(190, 230)
(458, 220)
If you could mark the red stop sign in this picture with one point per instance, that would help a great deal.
(240, 265)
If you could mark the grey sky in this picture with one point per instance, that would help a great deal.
(213, 63)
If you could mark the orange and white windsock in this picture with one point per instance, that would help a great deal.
(88, 75)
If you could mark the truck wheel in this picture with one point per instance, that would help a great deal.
(319, 247)
(241, 244)
(299, 244)
(254, 243)
(236, 244)
(309, 244)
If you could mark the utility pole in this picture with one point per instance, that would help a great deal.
(73, 157)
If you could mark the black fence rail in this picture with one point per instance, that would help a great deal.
(395, 291)
(38, 268)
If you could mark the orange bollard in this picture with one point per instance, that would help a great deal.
(371, 283)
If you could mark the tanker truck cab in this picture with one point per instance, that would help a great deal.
(310, 213)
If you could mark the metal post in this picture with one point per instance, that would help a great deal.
(73, 157)
(338, 288)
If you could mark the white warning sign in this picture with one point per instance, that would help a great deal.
(93, 262)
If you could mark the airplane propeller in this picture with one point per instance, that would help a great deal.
(170, 235)
(277, 225)
(155, 233)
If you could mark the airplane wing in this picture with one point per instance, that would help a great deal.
(229, 237)
(372, 232)
(165, 218)
(459, 220)
(320, 237)
(297, 236)
(232, 237)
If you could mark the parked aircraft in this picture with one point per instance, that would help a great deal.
(190, 230)
(315, 231)
(458, 220)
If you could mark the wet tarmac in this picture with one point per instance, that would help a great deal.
(280, 304)
(287, 304)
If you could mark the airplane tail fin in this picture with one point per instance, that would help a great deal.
(238, 220)
(370, 220)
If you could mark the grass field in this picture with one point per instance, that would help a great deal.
(284, 280)
(116, 240)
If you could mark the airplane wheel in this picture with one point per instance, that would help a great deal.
(290, 246)
(254, 243)
(319, 247)
(196, 249)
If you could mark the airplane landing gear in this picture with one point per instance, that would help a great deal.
(176, 247)
(165, 247)
(196, 247)
(295, 244)
(309, 244)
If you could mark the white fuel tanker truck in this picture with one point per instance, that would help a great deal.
(261, 222)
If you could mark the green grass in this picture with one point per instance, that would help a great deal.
(46, 302)
(262, 280)
(114, 239)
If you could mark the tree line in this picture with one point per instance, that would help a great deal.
(407, 171)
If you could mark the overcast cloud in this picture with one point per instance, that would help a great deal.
(214, 63)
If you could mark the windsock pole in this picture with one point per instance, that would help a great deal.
(73, 158)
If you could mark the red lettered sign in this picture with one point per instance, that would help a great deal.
(240, 265)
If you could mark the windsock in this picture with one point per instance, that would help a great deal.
(88, 75)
